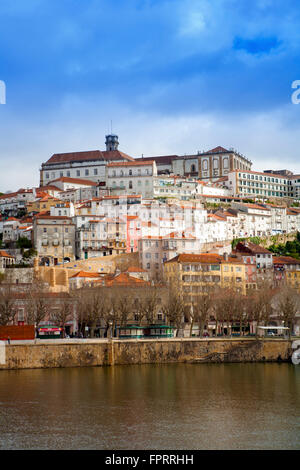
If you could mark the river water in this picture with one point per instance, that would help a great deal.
(178, 406)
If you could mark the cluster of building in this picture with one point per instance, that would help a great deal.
(178, 216)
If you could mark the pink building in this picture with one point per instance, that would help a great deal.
(133, 232)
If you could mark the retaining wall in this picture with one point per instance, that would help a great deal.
(69, 353)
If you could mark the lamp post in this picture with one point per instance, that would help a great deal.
(112, 359)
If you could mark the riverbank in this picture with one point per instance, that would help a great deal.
(102, 352)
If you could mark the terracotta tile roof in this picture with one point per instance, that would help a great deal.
(52, 217)
(4, 254)
(83, 274)
(256, 206)
(206, 258)
(92, 155)
(249, 247)
(50, 187)
(66, 179)
(216, 217)
(285, 260)
(126, 279)
(135, 163)
(217, 149)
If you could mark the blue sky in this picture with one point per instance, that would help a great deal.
(174, 76)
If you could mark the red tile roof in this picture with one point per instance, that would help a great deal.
(285, 260)
(217, 149)
(135, 163)
(206, 258)
(3, 254)
(84, 274)
(93, 155)
(66, 179)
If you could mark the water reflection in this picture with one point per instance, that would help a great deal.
(180, 406)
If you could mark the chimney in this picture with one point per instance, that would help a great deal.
(225, 256)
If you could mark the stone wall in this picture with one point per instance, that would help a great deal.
(76, 353)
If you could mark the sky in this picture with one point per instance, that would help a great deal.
(173, 76)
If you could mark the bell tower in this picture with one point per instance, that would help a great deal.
(111, 142)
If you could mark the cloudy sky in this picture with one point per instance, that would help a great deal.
(174, 77)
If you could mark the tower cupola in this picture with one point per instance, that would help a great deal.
(111, 142)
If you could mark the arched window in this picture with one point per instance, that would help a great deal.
(193, 168)
(216, 164)
(130, 184)
(225, 163)
(205, 165)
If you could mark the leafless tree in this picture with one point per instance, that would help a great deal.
(148, 304)
(8, 307)
(37, 305)
(174, 306)
(222, 307)
(201, 308)
(63, 313)
(92, 307)
(287, 307)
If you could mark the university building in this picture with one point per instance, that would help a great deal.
(88, 165)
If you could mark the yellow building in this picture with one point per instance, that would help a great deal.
(287, 269)
(42, 204)
(194, 271)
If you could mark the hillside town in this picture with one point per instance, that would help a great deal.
(193, 245)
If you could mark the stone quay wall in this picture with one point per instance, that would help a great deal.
(85, 353)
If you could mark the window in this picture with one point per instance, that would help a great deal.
(130, 184)
(77, 172)
(68, 174)
(95, 171)
(87, 172)
(47, 175)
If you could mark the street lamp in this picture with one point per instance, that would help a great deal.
(110, 328)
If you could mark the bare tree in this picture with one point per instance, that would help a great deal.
(288, 307)
(36, 303)
(148, 304)
(222, 307)
(174, 306)
(92, 306)
(201, 307)
(8, 307)
(62, 314)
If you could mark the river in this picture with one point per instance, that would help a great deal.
(177, 406)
